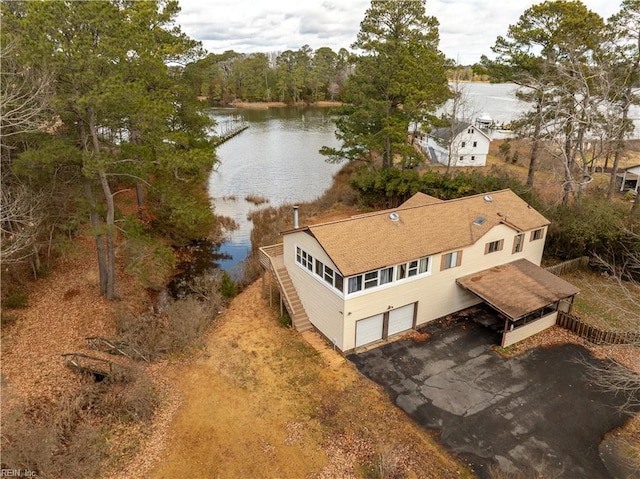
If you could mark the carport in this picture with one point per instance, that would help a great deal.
(525, 295)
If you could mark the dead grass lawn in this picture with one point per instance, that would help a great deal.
(261, 402)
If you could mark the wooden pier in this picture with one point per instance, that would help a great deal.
(230, 128)
(227, 136)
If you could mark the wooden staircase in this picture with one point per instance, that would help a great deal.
(292, 301)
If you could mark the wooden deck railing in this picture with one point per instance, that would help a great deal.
(268, 252)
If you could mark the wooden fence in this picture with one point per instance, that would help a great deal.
(594, 334)
(568, 266)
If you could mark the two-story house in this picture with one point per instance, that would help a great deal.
(463, 144)
(367, 278)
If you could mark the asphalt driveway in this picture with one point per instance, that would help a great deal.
(536, 412)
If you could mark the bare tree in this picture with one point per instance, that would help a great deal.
(24, 96)
(21, 216)
(611, 376)
(457, 110)
(24, 103)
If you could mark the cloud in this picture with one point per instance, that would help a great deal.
(468, 28)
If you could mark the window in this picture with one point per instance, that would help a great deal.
(338, 282)
(370, 279)
(463, 144)
(475, 143)
(461, 158)
(324, 272)
(328, 275)
(319, 268)
(333, 278)
(473, 158)
(493, 246)
(424, 265)
(307, 261)
(451, 260)
(413, 268)
(518, 243)
(380, 277)
(536, 234)
(355, 284)
(386, 275)
(470, 131)
(304, 258)
(401, 271)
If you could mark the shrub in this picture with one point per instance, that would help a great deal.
(590, 226)
(16, 299)
(285, 320)
(177, 327)
(390, 187)
(148, 260)
(228, 286)
(66, 438)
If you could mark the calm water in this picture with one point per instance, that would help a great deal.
(277, 157)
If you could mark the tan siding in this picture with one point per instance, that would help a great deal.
(527, 330)
(322, 305)
(437, 295)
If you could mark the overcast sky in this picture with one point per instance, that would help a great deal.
(468, 28)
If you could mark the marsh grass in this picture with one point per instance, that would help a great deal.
(256, 199)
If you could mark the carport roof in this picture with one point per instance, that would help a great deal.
(517, 288)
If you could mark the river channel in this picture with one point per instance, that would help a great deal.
(276, 158)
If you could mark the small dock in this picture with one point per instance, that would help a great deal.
(227, 136)
(230, 128)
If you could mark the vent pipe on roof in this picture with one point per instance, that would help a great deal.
(295, 217)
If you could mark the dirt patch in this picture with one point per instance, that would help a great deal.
(262, 402)
(327, 103)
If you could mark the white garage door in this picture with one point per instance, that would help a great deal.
(401, 319)
(369, 330)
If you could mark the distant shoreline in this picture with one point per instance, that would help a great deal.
(265, 105)
(278, 104)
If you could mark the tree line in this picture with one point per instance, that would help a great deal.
(303, 75)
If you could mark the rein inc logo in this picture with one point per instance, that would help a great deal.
(18, 473)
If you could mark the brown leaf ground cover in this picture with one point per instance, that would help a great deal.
(63, 309)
